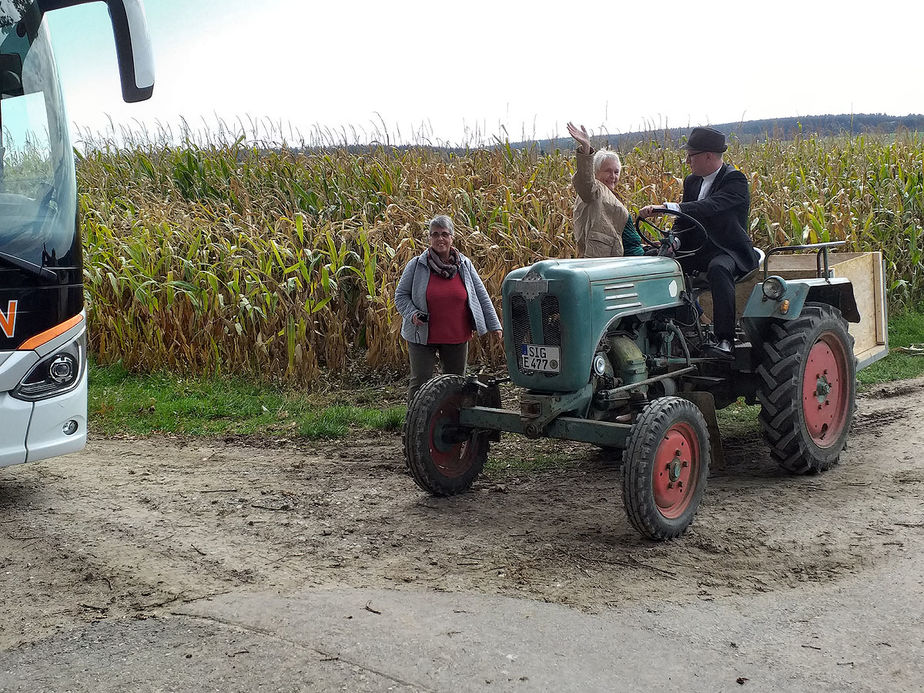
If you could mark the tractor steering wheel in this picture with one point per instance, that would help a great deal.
(669, 234)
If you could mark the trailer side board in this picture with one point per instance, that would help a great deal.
(865, 272)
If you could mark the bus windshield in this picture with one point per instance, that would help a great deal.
(37, 185)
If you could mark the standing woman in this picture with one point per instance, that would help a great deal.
(602, 225)
(442, 299)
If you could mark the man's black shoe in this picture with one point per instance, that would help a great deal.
(723, 349)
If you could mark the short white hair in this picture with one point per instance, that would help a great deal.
(443, 222)
(602, 155)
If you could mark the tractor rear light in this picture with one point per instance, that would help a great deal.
(774, 288)
(784, 306)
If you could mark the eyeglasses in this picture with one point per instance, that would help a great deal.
(690, 155)
(440, 234)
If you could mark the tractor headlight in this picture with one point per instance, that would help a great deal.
(774, 288)
(599, 364)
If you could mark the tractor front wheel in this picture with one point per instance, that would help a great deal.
(666, 467)
(443, 457)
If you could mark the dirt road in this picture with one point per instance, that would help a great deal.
(136, 528)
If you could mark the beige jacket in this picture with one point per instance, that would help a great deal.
(599, 217)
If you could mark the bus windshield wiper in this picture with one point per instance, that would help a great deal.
(29, 267)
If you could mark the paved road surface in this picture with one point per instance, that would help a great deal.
(863, 635)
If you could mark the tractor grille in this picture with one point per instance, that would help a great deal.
(551, 321)
(550, 326)
(519, 317)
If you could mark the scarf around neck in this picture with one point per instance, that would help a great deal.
(447, 270)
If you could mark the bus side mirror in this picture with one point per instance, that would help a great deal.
(133, 44)
(133, 49)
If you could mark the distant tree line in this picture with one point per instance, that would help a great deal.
(760, 130)
(744, 131)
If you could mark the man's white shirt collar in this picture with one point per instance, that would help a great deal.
(707, 183)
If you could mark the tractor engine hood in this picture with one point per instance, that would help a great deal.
(568, 305)
(601, 268)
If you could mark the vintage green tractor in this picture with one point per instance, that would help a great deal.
(613, 352)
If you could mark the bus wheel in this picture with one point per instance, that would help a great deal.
(666, 467)
(807, 390)
(444, 458)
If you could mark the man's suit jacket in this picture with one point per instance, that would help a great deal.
(724, 213)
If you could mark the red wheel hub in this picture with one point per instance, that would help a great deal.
(825, 390)
(676, 470)
(453, 457)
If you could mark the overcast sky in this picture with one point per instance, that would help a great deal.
(457, 71)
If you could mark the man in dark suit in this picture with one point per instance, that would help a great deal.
(716, 194)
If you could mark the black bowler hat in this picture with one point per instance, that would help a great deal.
(706, 140)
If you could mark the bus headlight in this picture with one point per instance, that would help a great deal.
(774, 288)
(63, 369)
(57, 373)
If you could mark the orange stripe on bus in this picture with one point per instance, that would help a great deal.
(46, 336)
(8, 321)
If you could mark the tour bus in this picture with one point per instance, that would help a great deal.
(43, 323)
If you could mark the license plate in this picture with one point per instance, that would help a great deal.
(536, 357)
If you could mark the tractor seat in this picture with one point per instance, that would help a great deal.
(698, 281)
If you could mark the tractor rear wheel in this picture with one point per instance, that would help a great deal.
(807, 389)
(666, 467)
(443, 457)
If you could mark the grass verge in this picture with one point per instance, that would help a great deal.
(124, 402)
(905, 330)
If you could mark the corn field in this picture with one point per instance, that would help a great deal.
(277, 264)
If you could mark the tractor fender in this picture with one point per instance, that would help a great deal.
(837, 292)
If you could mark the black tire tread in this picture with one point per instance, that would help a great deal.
(644, 439)
(779, 394)
(416, 444)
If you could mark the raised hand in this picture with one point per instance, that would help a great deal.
(581, 137)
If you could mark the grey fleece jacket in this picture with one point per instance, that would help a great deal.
(411, 298)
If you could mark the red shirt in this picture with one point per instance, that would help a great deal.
(450, 319)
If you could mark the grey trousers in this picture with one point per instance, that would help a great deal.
(453, 358)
